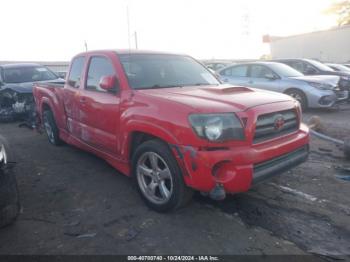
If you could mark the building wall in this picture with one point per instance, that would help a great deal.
(328, 46)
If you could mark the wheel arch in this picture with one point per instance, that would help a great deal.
(299, 90)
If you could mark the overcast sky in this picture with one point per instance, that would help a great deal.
(56, 29)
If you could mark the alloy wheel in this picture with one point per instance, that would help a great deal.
(154, 178)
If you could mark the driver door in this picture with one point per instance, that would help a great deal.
(99, 108)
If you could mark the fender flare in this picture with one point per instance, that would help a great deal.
(146, 127)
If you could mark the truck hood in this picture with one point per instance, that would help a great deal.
(322, 79)
(222, 98)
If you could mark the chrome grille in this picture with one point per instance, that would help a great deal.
(266, 127)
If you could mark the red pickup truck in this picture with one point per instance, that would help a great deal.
(165, 120)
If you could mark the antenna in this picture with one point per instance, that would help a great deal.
(135, 35)
(86, 46)
(128, 22)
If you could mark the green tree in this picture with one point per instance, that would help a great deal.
(342, 10)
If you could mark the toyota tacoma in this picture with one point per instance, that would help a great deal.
(166, 121)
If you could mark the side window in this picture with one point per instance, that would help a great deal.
(99, 67)
(297, 65)
(239, 71)
(75, 72)
(259, 71)
(309, 69)
(226, 72)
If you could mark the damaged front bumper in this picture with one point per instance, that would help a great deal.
(17, 105)
(236, 169)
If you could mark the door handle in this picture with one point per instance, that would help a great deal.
(82, 100)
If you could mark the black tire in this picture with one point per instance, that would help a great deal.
(299, 96)
(51, 128)
(180, 194)
(9, 199)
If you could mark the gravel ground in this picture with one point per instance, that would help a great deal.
(75, 203)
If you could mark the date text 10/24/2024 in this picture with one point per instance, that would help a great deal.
(173, 258)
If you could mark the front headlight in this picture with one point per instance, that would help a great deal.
(321, 86)
(217, 127)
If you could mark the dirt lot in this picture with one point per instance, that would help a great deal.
(75, 203)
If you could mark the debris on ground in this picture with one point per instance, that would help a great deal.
(315, 126)
(87, 235)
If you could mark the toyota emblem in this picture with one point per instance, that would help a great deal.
(278, 122)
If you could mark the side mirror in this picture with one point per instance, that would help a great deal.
(270, 76)
(109, 83)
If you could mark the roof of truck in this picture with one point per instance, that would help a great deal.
(129, 51)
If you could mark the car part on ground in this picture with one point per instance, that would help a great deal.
(315, 124)
(9, 199)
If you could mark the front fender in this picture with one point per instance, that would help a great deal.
(152, 129)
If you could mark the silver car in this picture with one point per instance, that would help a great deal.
(311, 91)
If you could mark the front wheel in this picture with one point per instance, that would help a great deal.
(159, 179)
(299, 96)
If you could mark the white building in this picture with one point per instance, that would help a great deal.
(331, 45)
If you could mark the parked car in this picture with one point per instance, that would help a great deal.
(166, 121)
(310, 91)
(313, 67)
(338, 67)
(16, 84)
(216, 66)
(9, 200)
(61, 74)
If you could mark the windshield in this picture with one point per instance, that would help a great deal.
(341, 67)
(284, 70)
(160, 71)
(319, 65)
(27, 74)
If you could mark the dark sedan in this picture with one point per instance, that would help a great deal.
(16, 85)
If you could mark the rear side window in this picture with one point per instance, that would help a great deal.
(76, 71)
(99, 67)
(236, 71)
(239, 71)
(259, 71)
(297, 65)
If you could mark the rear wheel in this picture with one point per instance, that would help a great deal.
(299, 96)
(51, 128)
(9, 200)
(159, 179)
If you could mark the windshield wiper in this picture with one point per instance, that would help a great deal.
(205, 84)
(163, 86)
